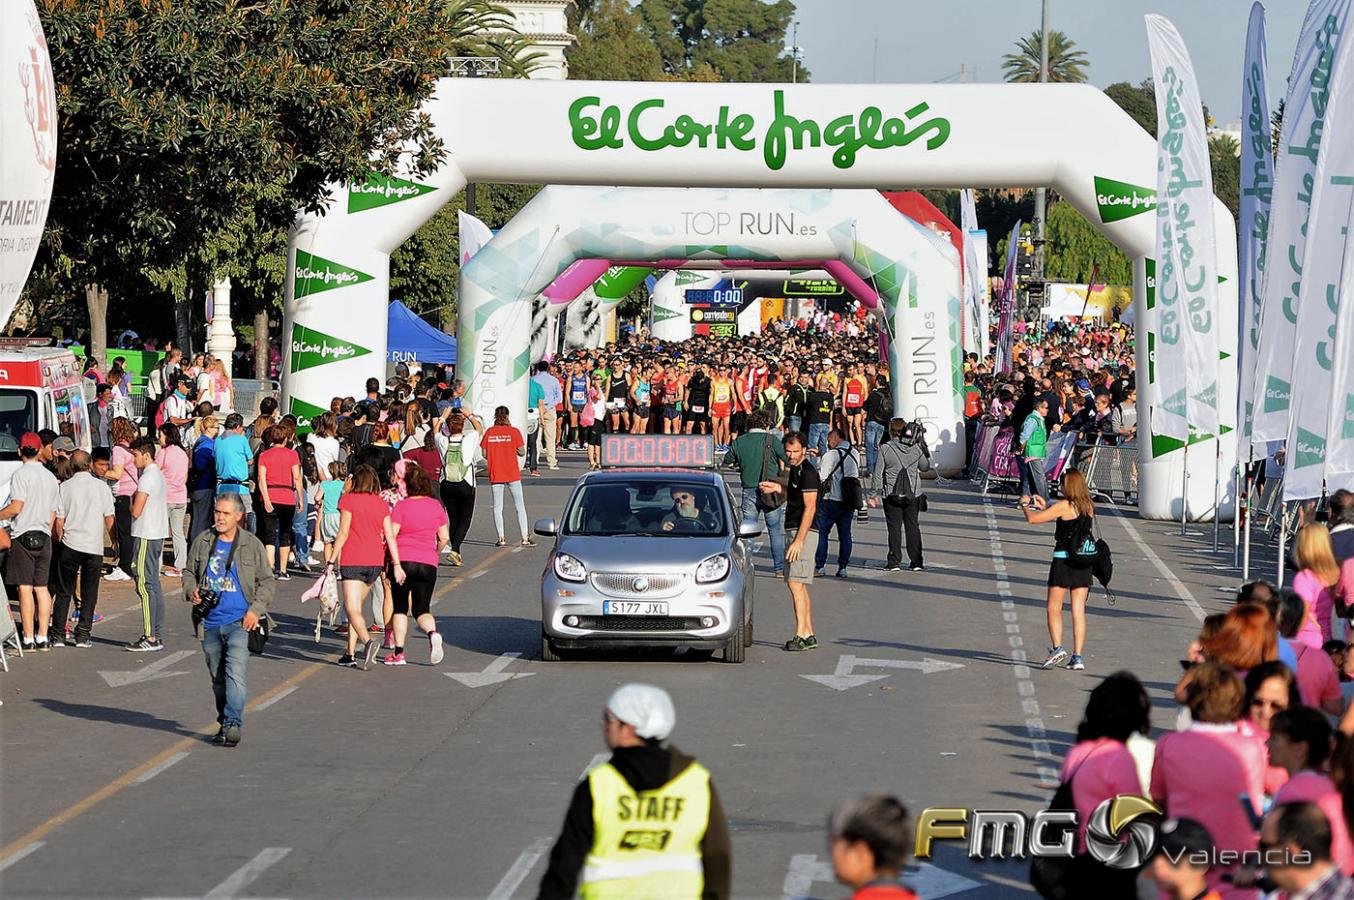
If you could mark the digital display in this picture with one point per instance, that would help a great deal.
(716, 296)
(812, 287)
(681, 451)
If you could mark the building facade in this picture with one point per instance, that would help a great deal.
(545, 23)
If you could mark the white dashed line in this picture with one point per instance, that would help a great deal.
(276, 697)
(247, 874)
(520, 869)
(151, 773)
(1045, 764)
(21, 854)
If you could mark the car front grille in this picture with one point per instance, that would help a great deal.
(622, 584)
(639, 623)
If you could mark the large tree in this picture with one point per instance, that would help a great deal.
(194, 129)
(742, 40)
(1075, 247)
(613, 46)
(1064, 62)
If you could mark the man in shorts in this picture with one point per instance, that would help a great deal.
(698, 401)
(800, 508)
(721, 406)
(854, 391)
(32, 506)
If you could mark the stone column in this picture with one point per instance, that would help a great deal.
(221, 331)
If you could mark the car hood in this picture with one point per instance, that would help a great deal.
(641, 554)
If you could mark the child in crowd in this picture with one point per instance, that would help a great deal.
(870, 836)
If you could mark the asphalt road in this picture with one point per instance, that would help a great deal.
(409, 783)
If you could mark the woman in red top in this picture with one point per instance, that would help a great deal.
(419, 525)
(360, 548)
(426, 455)
(503, 446)
(279, 487)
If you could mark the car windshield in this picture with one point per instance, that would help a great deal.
(650, 508)
(18, 414)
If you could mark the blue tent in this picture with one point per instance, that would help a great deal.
(409, 339)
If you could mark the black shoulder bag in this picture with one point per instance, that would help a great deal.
(850, 488)
(768, 501)
(1055, 878)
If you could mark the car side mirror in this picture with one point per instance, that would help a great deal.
(545, 527)
(749, 530)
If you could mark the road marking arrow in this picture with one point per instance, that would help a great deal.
(148, 672)
(843, 679)
(492, 674)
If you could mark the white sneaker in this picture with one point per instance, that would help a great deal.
(435, 655)
(117, 575)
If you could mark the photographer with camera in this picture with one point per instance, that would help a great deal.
(230, 584)
(896, 483)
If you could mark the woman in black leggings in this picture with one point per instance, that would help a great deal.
(460, 454)
(420, 527)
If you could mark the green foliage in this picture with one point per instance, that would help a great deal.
(742, 40)
(1075, 246)
(425, 269)
(192, 130)
(612, 46)
(1139, 102)
(1064, 63)
(1224, 157)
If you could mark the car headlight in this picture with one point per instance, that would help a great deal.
(716, 568)
(570, 568)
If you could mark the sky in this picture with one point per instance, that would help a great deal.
(928, 40)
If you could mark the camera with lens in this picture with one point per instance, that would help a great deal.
(913, 433)
(209, 601)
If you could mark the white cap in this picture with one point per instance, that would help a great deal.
(646, 707)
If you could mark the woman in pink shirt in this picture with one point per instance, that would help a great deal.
(1300, 741)
(419, 524)
(1317, 580)
(1100, 767)
(1214, 771)
(1318, 679)
(122, 472)
(173, 462)
(1271, 688)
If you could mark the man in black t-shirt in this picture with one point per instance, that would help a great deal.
(800, 507)
(698, 400)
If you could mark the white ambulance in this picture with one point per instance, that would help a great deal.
(40, 387)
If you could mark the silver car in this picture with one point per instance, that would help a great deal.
(654, 558)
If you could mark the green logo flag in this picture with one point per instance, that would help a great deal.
(383, 190)
(1120, 200)
(662, 314)
(310, 348)
(315, 275)
(1277, 394)
(304, 412)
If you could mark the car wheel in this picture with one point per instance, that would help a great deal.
(735, 649)
(548, 651)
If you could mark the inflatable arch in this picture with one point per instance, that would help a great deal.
(1065, 136)
(915, 277)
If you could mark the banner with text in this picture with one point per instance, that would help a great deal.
(1187, 278)
(1005, 356)
(1304, 116)
(1319, 298)
(1257, 183)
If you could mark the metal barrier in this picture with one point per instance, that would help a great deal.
(1109, 469)
(249, 392)
(993, 462)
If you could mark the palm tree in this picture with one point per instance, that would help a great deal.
(483, 28)
(1064, 63)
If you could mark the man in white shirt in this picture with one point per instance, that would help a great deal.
(84, 514)
(150, 527)
(32, 506)
(178, 408)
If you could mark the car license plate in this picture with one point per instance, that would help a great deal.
(633, 608)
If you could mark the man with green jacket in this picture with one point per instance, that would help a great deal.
(760, 456)
(1033, 445)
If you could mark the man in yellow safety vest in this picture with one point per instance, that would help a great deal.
(646, 823)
